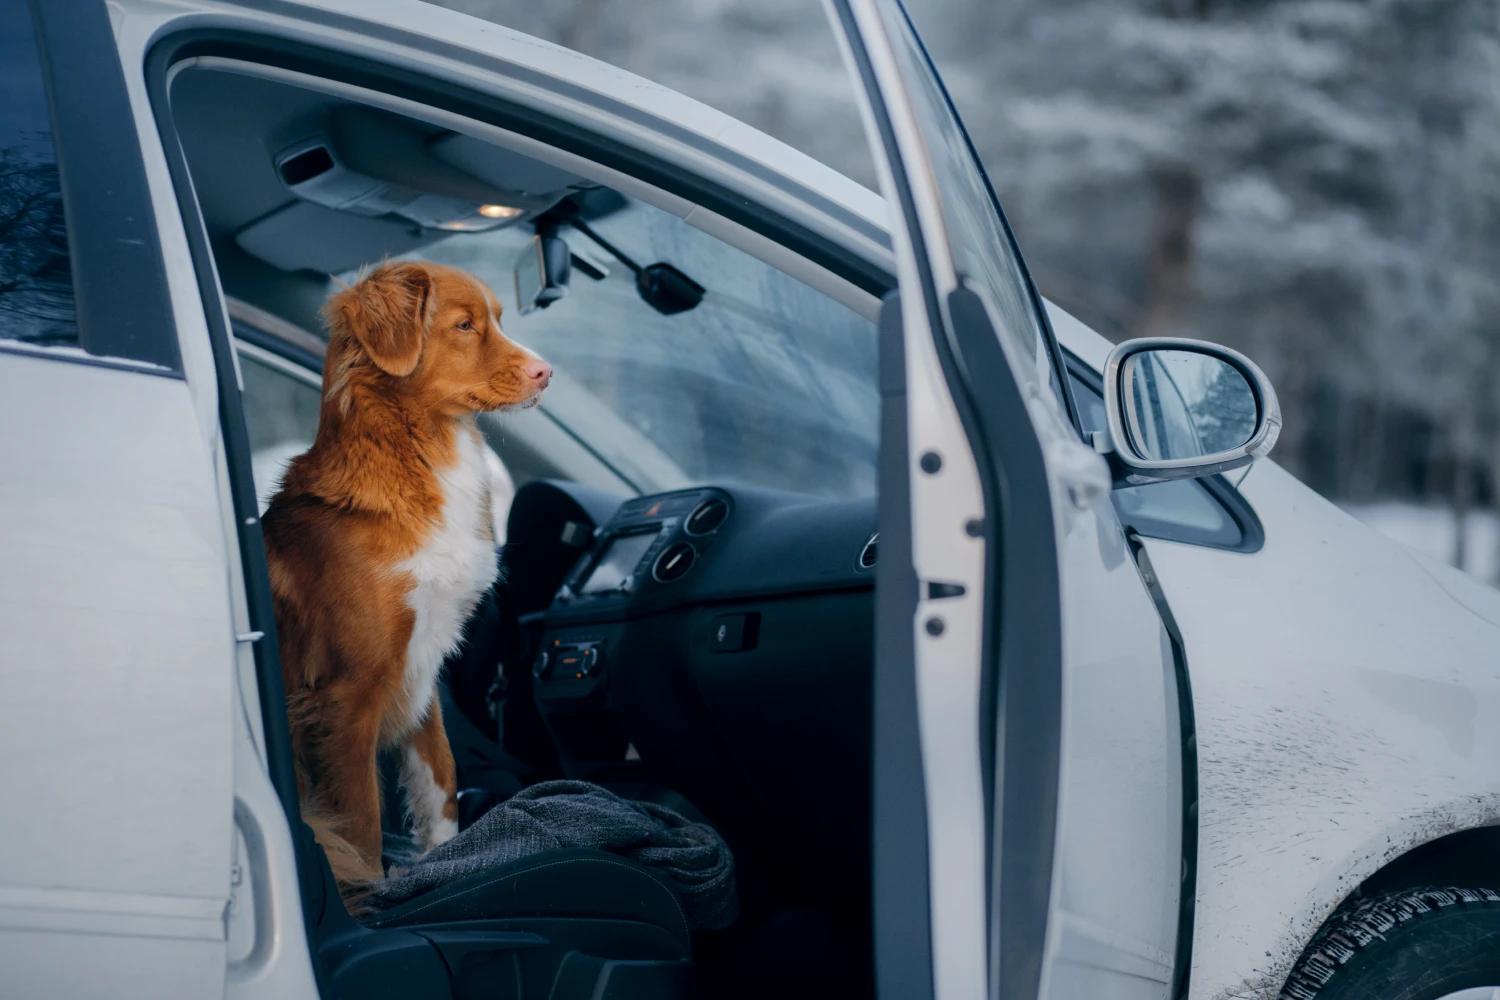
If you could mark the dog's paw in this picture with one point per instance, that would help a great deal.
(439, 833)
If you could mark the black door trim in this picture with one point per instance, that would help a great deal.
(1187, 899)
(119, 277)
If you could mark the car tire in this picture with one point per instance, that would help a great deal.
(1411, 944)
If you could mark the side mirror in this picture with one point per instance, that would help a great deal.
(1181, 409)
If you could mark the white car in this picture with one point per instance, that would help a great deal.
(1107, 713)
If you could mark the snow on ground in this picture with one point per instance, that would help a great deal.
(1429, 529)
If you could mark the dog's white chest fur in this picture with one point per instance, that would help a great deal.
(452, 570)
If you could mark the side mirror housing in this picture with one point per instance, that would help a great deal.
(1181, 409)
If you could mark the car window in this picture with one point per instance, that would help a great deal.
(765, 381)
(985, 256)
(1182, 510)
(281, 416)
(36, 279)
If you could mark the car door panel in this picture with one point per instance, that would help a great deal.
(1117, 891)
(117, 642)
(118, 649)
(1087, 831)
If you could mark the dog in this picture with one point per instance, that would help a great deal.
(381, 542)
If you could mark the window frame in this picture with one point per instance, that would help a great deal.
(1055, 352)
(1220, 491)
(411, 85)
(281, 358)
(124, 309)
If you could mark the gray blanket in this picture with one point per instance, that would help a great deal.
(555, 814)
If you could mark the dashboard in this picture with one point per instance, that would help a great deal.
(717, 641)
(694, 585)
(714, 645)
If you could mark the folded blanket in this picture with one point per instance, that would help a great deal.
(556, 814)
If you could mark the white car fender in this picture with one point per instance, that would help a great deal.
(1347, 700)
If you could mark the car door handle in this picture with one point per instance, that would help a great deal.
(255, 870)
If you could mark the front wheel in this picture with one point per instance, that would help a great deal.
(1411, 944)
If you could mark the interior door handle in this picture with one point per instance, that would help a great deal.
(256, 870)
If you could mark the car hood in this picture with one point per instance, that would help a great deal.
(1478, 597)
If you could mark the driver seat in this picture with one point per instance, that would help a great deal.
(567, 924)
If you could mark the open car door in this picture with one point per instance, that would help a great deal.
(1029, 737)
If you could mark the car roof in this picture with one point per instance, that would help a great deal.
(614, 102)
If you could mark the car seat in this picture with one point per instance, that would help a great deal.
(559, 925)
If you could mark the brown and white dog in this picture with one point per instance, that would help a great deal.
(381, 542)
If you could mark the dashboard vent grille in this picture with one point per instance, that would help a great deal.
(867, 554)
(706, 517)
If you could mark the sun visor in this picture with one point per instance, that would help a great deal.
(502, 168)
(305, 236)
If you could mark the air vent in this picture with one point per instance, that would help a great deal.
(867, 554)
(706, 517)
(673, 563)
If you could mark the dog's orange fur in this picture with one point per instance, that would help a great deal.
(414, 350)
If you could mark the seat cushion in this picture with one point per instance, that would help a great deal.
(564, 883)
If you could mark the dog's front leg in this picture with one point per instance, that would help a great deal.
(430, 782)
(349, 785)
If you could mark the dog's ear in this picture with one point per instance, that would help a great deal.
(387, 311)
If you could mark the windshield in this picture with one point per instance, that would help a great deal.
(766, 381)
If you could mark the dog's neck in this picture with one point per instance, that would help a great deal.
(379, 449)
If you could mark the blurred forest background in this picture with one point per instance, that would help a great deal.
(1314, 182)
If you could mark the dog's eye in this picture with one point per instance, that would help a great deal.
(466, 325)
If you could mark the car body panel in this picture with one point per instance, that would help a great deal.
(115, 723)
(1348, 710)
(1317, 694)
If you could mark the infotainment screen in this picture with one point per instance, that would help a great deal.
(617, 562)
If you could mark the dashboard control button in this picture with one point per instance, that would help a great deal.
(575, 662)
(734, 633)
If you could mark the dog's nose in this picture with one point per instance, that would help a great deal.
(539, 371)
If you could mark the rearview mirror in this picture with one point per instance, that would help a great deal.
(1180, 409)
(542, 272)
